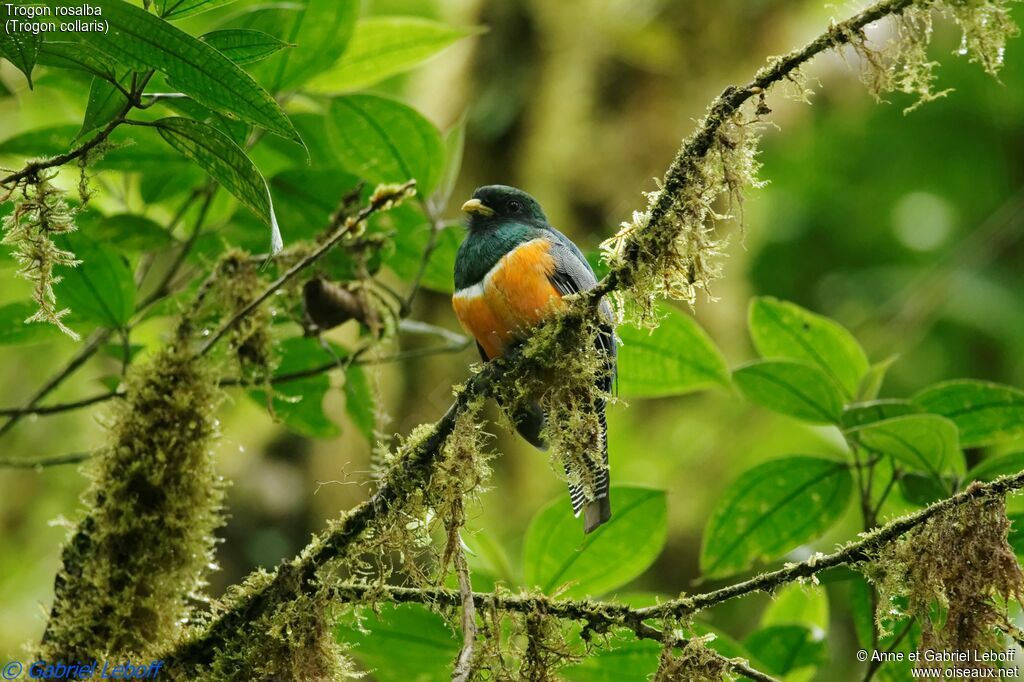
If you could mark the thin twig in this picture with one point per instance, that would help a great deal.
(377, 203)
(853, 553)
(43, 462)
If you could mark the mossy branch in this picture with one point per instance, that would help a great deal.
(682, 204)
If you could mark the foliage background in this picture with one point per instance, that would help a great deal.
(907, 229)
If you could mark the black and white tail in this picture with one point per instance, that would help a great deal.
(599, 509)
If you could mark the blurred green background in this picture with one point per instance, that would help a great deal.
(906, 228)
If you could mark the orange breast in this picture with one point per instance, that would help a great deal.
(515, 295)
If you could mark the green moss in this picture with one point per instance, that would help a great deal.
(950, 573)
(136, 565)
(294, 642)
(694, 661)
(40, 214)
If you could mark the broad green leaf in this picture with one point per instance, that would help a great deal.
(14, 329)
(242, 45)
(781, 329)
(984, 412)
(785, 648)
(486, 553)
(225, 161)
(142, 41)
(413, 235)
(40, 142)
(402, 643)
(626, 659)
(106, 101)
(772, 509)
(130, 233)
(20, 49)
(921, 442)
(382, 140)
(78, 56)
(299, 404)
(556, 552)
(174, 179)
(101, 289)
(790, 387)
(179, 9)
(307, 197)
(359, 401)
(797, 604)
(676, 358)
(237, 130)
(861, 414)
(385, 46)
(992, 468)
(319, 30)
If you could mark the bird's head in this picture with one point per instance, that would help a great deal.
(494, 205)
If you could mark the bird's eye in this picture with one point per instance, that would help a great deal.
(514, 206)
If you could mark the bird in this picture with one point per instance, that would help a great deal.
(511, 272)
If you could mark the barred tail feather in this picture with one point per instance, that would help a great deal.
(598, 510)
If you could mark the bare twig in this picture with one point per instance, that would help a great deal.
(43, 462)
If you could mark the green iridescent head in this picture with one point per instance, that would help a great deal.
(496, 205)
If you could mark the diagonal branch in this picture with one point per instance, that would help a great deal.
(299, 575)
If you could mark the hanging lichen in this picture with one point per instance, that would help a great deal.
(40, 215)
(136, 565)
(695, 662)
(682, 254)
(959, 562)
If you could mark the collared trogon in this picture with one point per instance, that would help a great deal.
(511, 272)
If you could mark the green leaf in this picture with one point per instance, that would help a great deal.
(425, 641)
(106, 101)
(921, 489)
(359, 401)
(101, 289)
(792, 388)
(77, 56)
(984, 412)
(319, 29)
(676, 358)
(14, 329)
(307, 197)
(785, 648)
(242, 45)
(142, 41)
(627, 659)
(454, 146)
(556, 551)
(861, 414)
(130, 233)
(871, 384)
(781, 329)
(40, 141)
(921, 442)
(385, 46)
(992, 468)
(179, 9)
(225, 161)
(413, 234)
(797, 604)
(299, 404)
(382, 140)
(20, 49)
(772, 509)
(237, 130)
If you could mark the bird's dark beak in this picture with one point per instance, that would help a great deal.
(477, 207)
